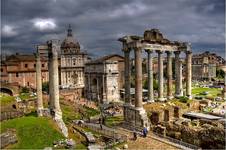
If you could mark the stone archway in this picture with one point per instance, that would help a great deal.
(7, 91)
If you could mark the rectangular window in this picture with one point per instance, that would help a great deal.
(17, 74)
(43, 65)
(1, 70)
(34, 65)
(25, 65)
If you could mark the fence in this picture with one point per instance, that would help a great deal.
(179, 142)
(109, 132)
(10, 115)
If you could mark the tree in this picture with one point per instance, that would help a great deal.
(45, 86)
(220, 73)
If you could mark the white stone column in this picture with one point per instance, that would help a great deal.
(138, 78)
(39, 85)
(150, 77)
(178, 75)
(160, 76)
(180, 78)
(169, 75)
(188, 74)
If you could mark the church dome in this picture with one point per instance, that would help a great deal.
(69, 43)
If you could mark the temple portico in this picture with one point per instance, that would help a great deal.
(153, 41)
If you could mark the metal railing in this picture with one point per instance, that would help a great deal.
(107, 131)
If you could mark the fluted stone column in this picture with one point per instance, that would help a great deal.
(138, 78)
(39, 84)
(188, 74)
(150, 77)
(178, 76)
(54, 47)
(169, 75)
(127, 76)
(160, 76)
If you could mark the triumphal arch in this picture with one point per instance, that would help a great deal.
(153, 41)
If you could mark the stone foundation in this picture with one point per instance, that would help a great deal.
(135, 118)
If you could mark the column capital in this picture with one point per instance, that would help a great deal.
(126, 49)
(169, 52)
(159, 51)
(148, 51)
(177, 52)
(188, 52)
(137, 48)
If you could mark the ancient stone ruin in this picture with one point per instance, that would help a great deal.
(51, 49)
(153, 40)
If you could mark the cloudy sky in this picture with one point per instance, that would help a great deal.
(97, 24)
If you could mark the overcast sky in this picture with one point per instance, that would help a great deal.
(97, 24)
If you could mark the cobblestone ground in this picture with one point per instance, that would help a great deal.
(149, 143)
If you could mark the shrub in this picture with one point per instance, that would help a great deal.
(45, 86)
(183, 99)
(24, 90)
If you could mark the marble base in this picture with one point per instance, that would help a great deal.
(135, 118)
(161, 99)
(43, 112)
(170, 97)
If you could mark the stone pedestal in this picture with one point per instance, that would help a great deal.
(135, 118)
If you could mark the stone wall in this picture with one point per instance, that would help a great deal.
(10, 115)
(7, 138)
(202, 133)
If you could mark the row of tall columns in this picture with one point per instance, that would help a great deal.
(138, 76)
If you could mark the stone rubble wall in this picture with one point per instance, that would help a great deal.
(7, 138)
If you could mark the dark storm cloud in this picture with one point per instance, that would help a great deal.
(97, 24)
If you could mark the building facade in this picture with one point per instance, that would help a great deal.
(205, 65)
(72, 63)
(21, 69)
(103, 78)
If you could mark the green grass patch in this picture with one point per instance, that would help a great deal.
(26, 96)
(179, 103)
(6, 99)
(89, 112)
(212, 92)
(113, 121)
(69, 113)
(32, 132)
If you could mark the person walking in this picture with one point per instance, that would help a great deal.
(145, 132)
